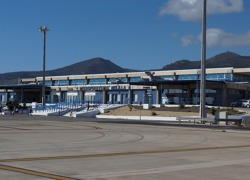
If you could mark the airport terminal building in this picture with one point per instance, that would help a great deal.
(223, 85)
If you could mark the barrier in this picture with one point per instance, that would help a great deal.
(195, 119)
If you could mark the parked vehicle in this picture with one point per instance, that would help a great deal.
(246, 103)
(237, 103)
(241, 103)
(246, 120)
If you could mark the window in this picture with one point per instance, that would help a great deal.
(135, 97)
(188, 77)
(167, 78)
(112, 80)
(135, 79)
(48, 83)
(78, 81)
(97, 81)
(218, 77)
(61, 83)
(124, 79)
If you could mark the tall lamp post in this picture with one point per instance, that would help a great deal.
(203, 66)
(43, 30)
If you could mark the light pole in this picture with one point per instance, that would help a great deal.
(197, 80)
(203, 66)
(44, 30)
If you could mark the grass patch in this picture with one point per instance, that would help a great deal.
(153, 113)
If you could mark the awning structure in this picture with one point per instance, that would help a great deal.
(22, 86)
(24, 92)
(179, 82)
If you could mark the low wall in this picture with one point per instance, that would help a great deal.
(58, 113)
(89, 114)
(246, 121)
(107, 108)
(156, 118)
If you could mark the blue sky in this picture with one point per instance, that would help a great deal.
(135, 34)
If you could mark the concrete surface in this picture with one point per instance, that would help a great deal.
(39, 147)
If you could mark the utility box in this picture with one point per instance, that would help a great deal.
(246, 121)
(34, 105)
(221, 115)
(147, 106)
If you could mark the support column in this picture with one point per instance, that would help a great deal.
(224, 95)
(83, 95)
(22, 92)
(6, 95)
(190, 94)
(60, 95)
(104, 96)
(129, 95)
(158, 95)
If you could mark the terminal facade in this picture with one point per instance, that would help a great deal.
(223, 85)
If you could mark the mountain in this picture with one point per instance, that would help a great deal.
(91, 66)
(101, 66)
(227, 59)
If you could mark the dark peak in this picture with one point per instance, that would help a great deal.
(97, 59)
(181, 64)
(87, 63)
(92, 61)
(226, 55)
(226, 59)
(91, 66)
(183, 61)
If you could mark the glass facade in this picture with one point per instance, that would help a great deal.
(78, 82)
(117, 97)
(188, 77)
(135, 79)
(61, 83)
(219, 77)
(48, 83)
(102, 81)
(98, 81)
(112, 80)
(115, 80)
(213, 77)
(124, 80)
(167, 78)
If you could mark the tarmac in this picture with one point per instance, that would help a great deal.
(42, 147)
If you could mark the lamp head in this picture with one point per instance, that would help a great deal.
(43, 29)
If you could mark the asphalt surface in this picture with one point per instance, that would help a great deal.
(38, 147)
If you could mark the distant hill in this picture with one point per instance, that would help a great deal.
(101, 66)
(91, 66)
(227, 59)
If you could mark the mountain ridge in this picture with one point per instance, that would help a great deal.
(227, 59)
(100, 65)
(91, 66)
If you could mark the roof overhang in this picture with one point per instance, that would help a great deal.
(179, 82)
(22, 86)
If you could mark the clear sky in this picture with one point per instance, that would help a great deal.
(135, 34)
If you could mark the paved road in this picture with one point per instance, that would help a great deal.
(38, 148)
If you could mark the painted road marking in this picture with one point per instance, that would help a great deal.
(190, 166)
(35, 173)
(121, 153)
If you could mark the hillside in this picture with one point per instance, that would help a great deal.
(227, 59)
(91, 66)
(100, 66)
